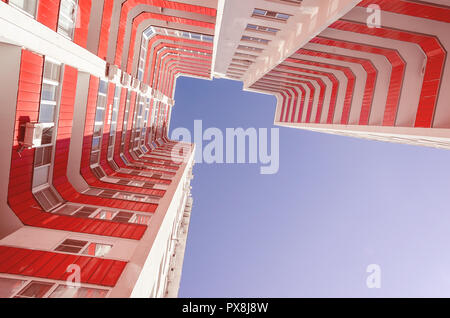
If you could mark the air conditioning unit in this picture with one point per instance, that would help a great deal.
(112, 73)
(34, 133)
(135, 84)
(144, 88)
(125, 80)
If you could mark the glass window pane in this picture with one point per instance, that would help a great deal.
(28, 6)
(74, 242)
(51, 196)
(140, 219)
(40, 176)
(46, 113)
(68, 249)
(282, 16)
(35, 290)
(259, 12)
(47, 158)
(97, 130)
(47, 135)
(103, 87)
(9, 286)
(51, 71)
(95, 157)
(93, 191)
(67, 18)
(63, 291)
(48, 92)
(67, 209)
(96, 143)
(38, 157)
(105, 215)
(99, 115)
(82, 214)
(96, 249)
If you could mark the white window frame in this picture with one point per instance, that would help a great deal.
(32, 15)
(48, 281)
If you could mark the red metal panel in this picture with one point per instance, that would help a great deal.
(396, 80)
(105, 28)
(47, 13)
(51, 265)
(435, 62)
(415, 9)
(83, 16)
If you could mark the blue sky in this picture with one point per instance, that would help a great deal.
(336, 205)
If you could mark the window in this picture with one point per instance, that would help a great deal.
(235, 70)
(183, 34)
(85, 212)
(9, 287)
(123, 217)
(29, 6)
(140, 219)
(47, 198)
(238, 66)
(76, 210)
(67, 209)
(20, 288)
(67, 18)
(142, 57)
(124, 127)
(289, 2)
(261, 13)
(99, 121)
(71, 246)
(84, 247)
(241, 61)
(105, 215)
(34, 290)
(250, 56)
(47, 111)
(259, 28)
(64, 291)
(96, 249)
(254, 39)
(40, 176)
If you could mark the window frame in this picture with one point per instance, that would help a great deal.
(254, 39)
(56, 103)
(74, 22)
(56, 284)
(36, 2)
(265, 15)
(82, 250)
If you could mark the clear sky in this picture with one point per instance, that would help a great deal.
(336, 205)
